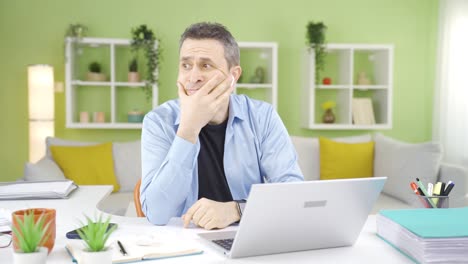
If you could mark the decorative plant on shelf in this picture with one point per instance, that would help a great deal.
(31, 234)
(143, 38)
(94, 73)
(133, 75)
(328, 116)
(316, 41)
(77, 31)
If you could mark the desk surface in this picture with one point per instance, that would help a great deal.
(367, 249)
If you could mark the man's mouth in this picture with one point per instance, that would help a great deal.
(191, 88)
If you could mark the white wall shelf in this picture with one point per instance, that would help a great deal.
(259, 54)
(110, 96)
(343, 63)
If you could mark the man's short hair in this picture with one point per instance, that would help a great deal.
(216, 31)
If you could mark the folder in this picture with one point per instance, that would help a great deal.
(426, 235)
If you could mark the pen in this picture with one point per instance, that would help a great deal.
(423, 189)
(122, 249)
(449, 188)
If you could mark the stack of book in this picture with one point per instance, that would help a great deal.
(363, 112)
(427, 235)
(36, 190)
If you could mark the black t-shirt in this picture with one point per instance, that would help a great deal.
(212, 183)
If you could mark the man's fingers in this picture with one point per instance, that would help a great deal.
(210, 225)
(198, 215)
(181, 90)
(223, 87)
(211, 84)
(189, 215)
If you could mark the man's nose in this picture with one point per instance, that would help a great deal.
(196, 75)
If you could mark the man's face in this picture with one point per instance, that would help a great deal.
(199, 61)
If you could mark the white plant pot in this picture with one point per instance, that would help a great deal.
(38, 257)
(96, 77)
(101, 257)
(133, 77)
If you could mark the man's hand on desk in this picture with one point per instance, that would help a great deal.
(210, 214)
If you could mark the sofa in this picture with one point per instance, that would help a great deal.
(388, 154)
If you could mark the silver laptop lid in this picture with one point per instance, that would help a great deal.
(285, 217)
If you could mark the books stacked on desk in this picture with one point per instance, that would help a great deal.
(427, 235)
(36, 190)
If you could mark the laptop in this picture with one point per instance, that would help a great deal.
(296, 216)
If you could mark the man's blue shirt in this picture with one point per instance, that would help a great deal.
(257, 148)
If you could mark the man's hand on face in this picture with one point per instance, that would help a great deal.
(198, 109)
(210, 214)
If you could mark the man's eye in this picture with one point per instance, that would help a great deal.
(186, 66)
(206, 66)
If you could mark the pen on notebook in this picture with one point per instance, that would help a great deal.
(122, 249)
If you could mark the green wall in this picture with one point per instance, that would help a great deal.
(32, 32)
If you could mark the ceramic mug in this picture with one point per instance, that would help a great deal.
(49, 217)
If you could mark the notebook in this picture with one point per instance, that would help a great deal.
(427, 235)
(294, 216)
(138, 250)
(36, 190)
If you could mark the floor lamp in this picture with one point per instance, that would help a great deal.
(41, 108)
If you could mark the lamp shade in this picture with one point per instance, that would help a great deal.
(41, 108)
(41, 92)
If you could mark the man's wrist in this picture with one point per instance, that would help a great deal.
(240, 204)
(188, 134)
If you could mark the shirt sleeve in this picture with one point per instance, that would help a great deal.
(278, 160)
(168, 162)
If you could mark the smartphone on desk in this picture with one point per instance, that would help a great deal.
(74, 234)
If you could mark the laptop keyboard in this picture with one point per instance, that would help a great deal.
(225, 243)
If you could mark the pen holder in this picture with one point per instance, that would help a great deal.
(432, 201)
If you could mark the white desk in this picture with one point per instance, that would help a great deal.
(368, 248)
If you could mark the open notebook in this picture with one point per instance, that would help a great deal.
(138, 250)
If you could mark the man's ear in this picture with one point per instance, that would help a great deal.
(236, 71)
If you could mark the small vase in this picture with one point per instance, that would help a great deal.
(133, 77)
(96, 77)
(101, 257)
(39, 257)
(328, 117)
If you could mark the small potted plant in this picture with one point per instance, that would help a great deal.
(94, 72)
(77, 31)
(328, 116)
(30, 236)
(95, 235)
(133, 75)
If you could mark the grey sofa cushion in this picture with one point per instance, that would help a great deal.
(403, 162)
(126, 156)
(43, 170)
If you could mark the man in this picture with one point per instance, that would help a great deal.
(202, 153)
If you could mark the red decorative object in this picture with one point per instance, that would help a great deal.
(326, 80)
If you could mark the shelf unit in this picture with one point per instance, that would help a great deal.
(115, 96)
(259, 54)
(343, 62)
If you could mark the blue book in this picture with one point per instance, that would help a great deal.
(427, 235)
(432, 223)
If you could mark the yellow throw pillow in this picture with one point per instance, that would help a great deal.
(345, 160)
(87, 165)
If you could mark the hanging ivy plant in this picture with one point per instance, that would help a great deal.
(316, 41)
(143, 38)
